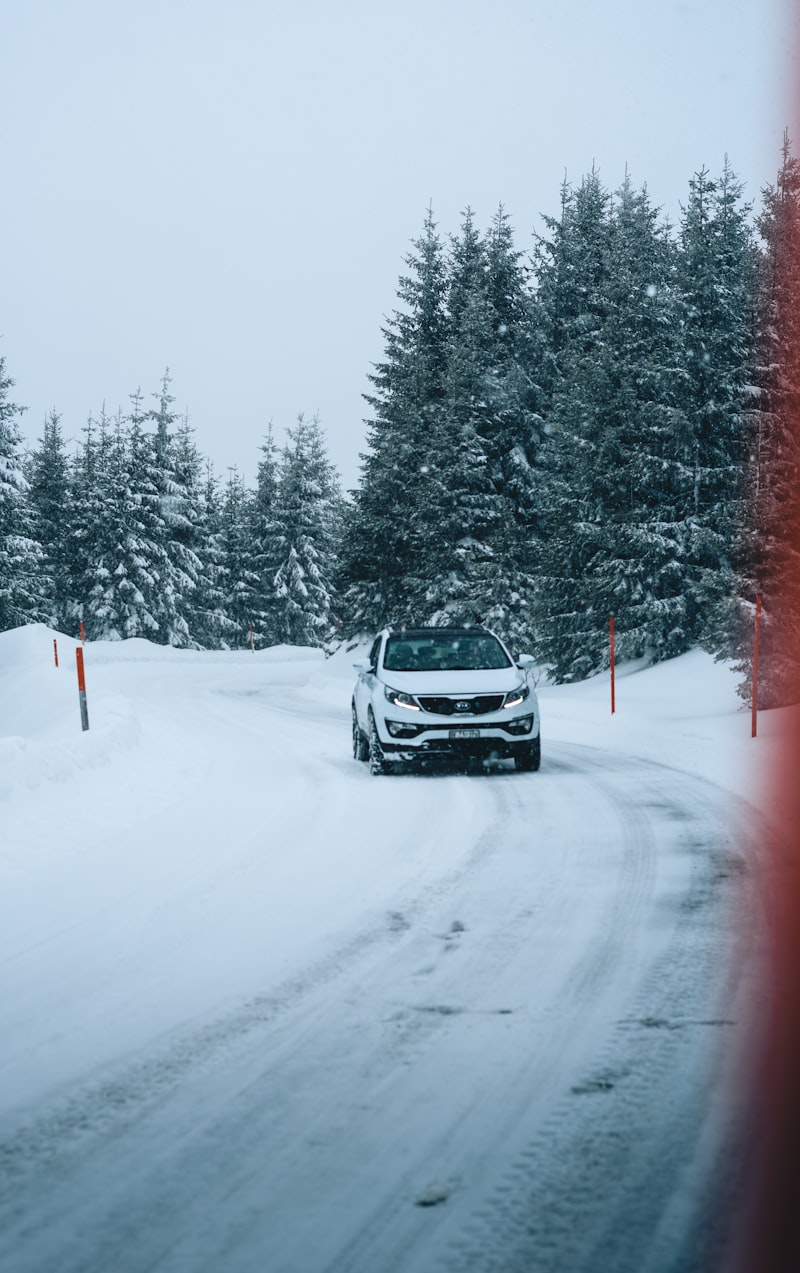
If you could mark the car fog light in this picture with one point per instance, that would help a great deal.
(522, 726)
(401, 729)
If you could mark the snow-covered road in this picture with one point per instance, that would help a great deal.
(263, 1013)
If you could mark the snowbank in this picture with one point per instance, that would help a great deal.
(684, 713)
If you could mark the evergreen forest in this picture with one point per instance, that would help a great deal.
(605, 424)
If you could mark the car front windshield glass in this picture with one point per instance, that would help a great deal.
(451, 652)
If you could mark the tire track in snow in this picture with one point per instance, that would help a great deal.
(257, 1159)
(659, 1103)
(526, 1099)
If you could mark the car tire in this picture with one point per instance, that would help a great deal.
(360, 744)
(529, 761)
(377, 761)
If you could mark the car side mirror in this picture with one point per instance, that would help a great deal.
(362, 665)
(525, 660)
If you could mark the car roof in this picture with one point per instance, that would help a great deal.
(438, 631)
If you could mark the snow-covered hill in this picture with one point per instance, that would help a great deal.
(258, 1008)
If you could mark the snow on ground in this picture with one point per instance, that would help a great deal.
(254, 1000)
(684, 713)
(185, 848)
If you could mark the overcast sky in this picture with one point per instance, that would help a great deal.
(230, 188)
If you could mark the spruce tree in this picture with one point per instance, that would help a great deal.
(164, 526)
(715, 278)
(641, 566)
(237, 580)
(513, 430)
(123, 576)
(24, 586)
(514, 424)
(770, 540)
(574, 266)
(210, 625)
(48, 495)
(87, 494)
(266, 545)
(176, 473)
(386, 541)
(307, 517)
(121, 569)
(450, 579)
(185, 542)
(619, 441)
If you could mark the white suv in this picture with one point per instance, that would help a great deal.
(426, 692)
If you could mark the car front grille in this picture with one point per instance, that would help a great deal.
(466, 706)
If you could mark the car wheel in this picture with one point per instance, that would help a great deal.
(377, 761)
(360, 744)
(529, 761)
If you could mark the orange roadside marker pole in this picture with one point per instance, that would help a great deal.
(756, 635)
(611, 648)
(82, 688)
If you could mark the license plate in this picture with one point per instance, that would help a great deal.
(465, 733)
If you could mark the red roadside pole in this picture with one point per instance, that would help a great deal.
(611, 648)
(55, 651)
(83, 634)
(756, 635)
(82, 688)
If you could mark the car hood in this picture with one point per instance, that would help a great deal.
(491, 681)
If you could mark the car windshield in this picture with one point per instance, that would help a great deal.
(448, 652)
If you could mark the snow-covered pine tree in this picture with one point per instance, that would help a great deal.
(642, 567)
(210, 625)
(24, 585)
(479, 520)
(771, 538)
(185, 543)
(619, 449)
(467, 271)
(176, 472)
(573, 274)
(382, 549)
(237, 579)
(156, 584)
(513, 431)
(48, 473)
(715, 280)
(87, 493)
(121, 564)
(308, 513)
(124, 573)
(451, 578)
(514, 423)
(266, 546)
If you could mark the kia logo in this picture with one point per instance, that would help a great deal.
(463, 705)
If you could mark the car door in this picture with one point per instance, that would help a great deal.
(365, 685)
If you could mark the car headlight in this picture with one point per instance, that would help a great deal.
(517, 696)
(398, 699)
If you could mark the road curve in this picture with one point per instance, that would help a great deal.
(525, 1063)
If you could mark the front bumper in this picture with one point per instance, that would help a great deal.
(501, 739)
(462, 748)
